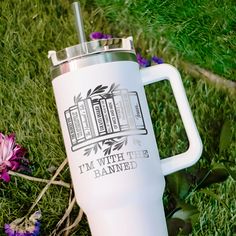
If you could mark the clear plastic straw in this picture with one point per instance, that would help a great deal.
(79, 23)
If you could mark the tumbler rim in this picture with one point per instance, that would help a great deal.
(90, 48)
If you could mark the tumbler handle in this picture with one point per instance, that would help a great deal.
(167, 72)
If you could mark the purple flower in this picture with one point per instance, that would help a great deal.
(157, 60)
(99, 35)
(11, 156)
(24, 226)
(96, 35)
(107, 36)
(142, 61)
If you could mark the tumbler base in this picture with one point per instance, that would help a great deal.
(133, 220)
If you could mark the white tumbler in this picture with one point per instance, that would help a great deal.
(117, 174)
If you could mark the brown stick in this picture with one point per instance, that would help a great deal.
(67, 232)
(67, 213)
(58, 171)
(75, 223)
(56, 182)
(208, 76)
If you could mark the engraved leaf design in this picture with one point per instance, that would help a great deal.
(77, 98)
(87, 151)
(109, 142)
(115, 87)
(120, 144)
(99, 145)
(94, 148)
(99, 89)
(126, 141)
(111, 90)
(107, 151)
(114, 144)
(89, 92)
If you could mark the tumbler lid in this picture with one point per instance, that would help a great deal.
(90, 48)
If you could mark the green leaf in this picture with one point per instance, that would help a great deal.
(185, 212)
(178, 184)
(230, 171)
(217, 174)
(225, 136)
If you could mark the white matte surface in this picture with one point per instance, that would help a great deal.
(161, 72)
(125, 203)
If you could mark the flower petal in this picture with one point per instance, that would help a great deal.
(15, 165)
(157, 60)
(11, 156)
(24, 226)
(96, 35)
(5, 176)
(99, 35)
(1, 137)
(142, 61)
(35, 216)
(7, 145)
(8, 230)
(107, 36)
(37, 229)
(18, 151)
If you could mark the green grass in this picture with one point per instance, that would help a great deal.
(201, 32)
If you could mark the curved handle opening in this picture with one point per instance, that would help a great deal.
(180, 161)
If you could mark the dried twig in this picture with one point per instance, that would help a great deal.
(60, 182)
(208, 76)
(68, 218)
(67, 213)
(75, 223)
(48, 185)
